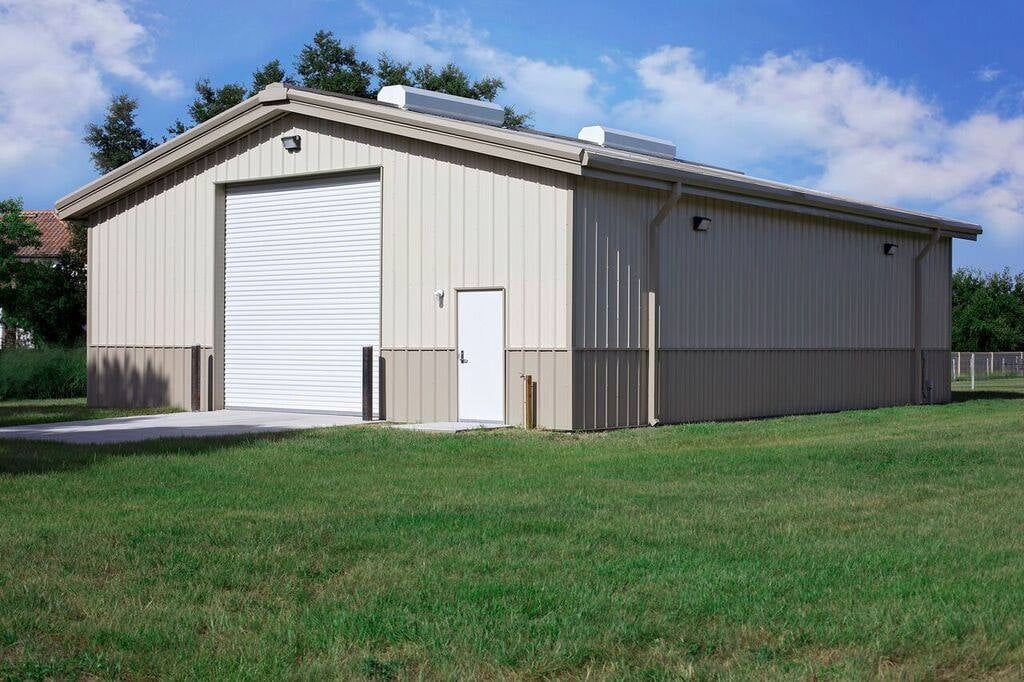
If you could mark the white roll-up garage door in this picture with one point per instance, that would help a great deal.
(301, 292)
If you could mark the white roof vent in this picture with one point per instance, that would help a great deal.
(630, 142)
(429, 102)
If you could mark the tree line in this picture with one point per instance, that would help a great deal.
(323, 64)
(988, 311)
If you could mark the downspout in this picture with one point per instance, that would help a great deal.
(918, 351)
(653, 276)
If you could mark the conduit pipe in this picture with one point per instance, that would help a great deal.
(918, 351)
(653, 277)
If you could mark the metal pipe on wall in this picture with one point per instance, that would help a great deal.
(653, 275)
(918, 352)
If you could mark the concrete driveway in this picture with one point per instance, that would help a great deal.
(175, 425)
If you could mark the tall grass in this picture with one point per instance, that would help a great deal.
(42, 373)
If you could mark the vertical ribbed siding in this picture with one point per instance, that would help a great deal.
(552, 371)
(146, 377)
(422, 385)
(734, 384)
(609, 264)
(450, 219)
(768, 312)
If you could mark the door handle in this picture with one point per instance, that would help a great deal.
(462, 357)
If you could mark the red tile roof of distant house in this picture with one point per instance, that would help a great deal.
(54, 235)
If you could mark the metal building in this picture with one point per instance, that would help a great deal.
(284, 235)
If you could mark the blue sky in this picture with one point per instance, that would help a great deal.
(914, 104)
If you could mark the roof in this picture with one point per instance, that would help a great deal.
(569, 155)
(55, 235)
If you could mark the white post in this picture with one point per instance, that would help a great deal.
(991, 364)
(952, 361)
(972, 371)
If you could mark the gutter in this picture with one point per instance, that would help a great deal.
(653, 280)
(918, 351)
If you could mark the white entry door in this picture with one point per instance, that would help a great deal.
(481, 356)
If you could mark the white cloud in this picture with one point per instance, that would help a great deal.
(56, 57)
(987, 74)
(828, 124)
(837, 127)
(559, 94)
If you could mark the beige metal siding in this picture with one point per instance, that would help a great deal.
(761, 286)
(450, 219)
(422, 385)
(146, 377)
(553, 373)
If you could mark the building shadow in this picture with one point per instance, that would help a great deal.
(27, 457)
(132, 379)
(965, 396)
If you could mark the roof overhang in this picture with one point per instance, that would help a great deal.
(771, 195)
(560, 154)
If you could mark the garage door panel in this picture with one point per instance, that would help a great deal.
(302, 292)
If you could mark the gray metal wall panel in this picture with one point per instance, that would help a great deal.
(759, 280)
(609, 263)
(728, 384)
(610, 389)
(450, 219)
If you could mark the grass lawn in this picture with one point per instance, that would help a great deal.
(996, 387)
(880, 543)
(17, 412)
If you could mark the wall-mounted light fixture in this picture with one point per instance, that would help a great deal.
(701, 224)
(889, 249)
(292, 143)
(439, 297)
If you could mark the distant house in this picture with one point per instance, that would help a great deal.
(54, 237)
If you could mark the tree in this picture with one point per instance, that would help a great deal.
(516, 119)
(452, 80)
(46, 300)
(988, 311)
(50, 299)
(211, 101)
(271, 72)
(326, 64)
(392, 72)
(117, 140)
(16, 233)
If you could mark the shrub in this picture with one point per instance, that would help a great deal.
(42, 373)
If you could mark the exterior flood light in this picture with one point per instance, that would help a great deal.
(701, 224)
(889, 249)
(439, 297)
(292, 143)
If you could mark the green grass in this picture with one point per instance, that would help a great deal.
(17, 412)
(42, 373)
(883, 543)
(994, 387)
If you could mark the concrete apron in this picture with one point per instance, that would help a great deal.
(175, 425)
